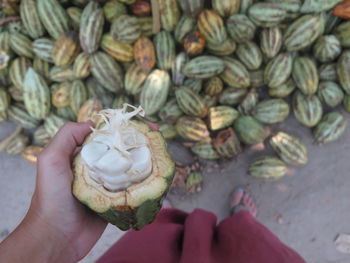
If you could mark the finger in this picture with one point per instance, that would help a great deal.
(68, 138)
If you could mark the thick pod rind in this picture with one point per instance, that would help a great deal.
(137, 205)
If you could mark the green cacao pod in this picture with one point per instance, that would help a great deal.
(227, 48)
(113, 9)
(60, 74)
(271, 40)
(168, 131)
(249, 130)
(330, 93)
(30, 18)
(20, 116)
(164, 44)
(122, 52)
(283, 90)
(271, 111)
(36, 95)
(81, 66)
(126, 29)
(328, 72)
(342, 32)
(212, 27)
(227, 144)
(213, 86)
(177, 75)
(53, 123)
(289, 148)
(185, 25)
(249, 53)
(226, 7)
(78, 95)
(249, 102)
(41, 137)
(266, 14)
(240, 28)
(190, 102)
(18, 144)
(235, 74)
(330, 128)
(192, 7)
(232, 96)
(307, 109)
(203, 67)
(134, 79)
(205, 150)
(155, 91)
(169, 13)
(171, 112)
(221, 117)
(18, 69)
(343, 67)
(192, 128)
(65, 49)
(268, 167)
(305, 75)
(278, 70)
(327, 48)
(107, 71)
(21, 45)
(42, 48)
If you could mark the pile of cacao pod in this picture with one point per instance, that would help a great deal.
(212, 72)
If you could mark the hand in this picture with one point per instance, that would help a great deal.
(62, 225)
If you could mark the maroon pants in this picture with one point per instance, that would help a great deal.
(176, 236)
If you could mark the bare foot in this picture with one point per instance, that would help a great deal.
(166, 204)
(241, 200)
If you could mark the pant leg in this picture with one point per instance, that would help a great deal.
(243, 239)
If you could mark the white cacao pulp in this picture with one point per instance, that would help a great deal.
(118, 155)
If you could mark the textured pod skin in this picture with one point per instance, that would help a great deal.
(303, 32)
(343, 67)
(21, 45)
(65, 49)
(120, 100)
(266, 14)
(240, 28)
(78, 95)
(74, 14)
(155, 91)
(210, 101)
(177, 75)
(213, 86)
(190, 102)
(168, 131)
(81, 66)
(268, 167)
(122, 52)
(330, 93)
(307, 109)
(91, 28)
(141, 8)
(342, 32)
(5, 42)
(60, 74)
(195, 85)
(89, 110)
(257, 78)
(41, 137)
(4, 100)
(232, 96)
(250, 55)
(30, 19)
(211, 25)
(292, 7)
(205, 150)
(185, 25)
(316, 6)
(31, 153)
(227, 144)
(249, 130)
(271, 111)
(225, 49)
(330, 128)
(126, 29)
(54, 17)
(60, 94)
(245, 4)
(192, 128)
(18, 69)
(194, 43)
(53, 123)
(16, 93)
(146, 26)
(107, 71)
(192, 7)
(134, 78)
(18, 144)
(289, 148)
(248, 104)
(283, 90)
(271, 40)
(305, 75)
(171, 112)
(42, 48)
(278, 70)
(235, 74)
(3, 116)
(331, 22)
(226, 7)
(169, 14)
(203, 67)
(36, 95)
(97, 92)
(328, 72)
(113, 9)
(20, 116)
(164, 44)
(221, 117)
(144, 53)
(327, 48)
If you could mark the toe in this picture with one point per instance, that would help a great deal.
(237, 197)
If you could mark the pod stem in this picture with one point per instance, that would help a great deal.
(10, 19)
(5, 142)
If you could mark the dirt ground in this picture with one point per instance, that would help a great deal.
(307, 209)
